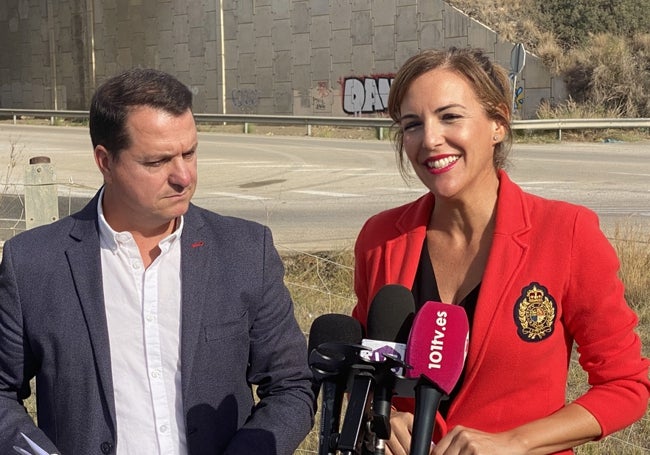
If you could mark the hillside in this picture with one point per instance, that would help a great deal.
(601, 48)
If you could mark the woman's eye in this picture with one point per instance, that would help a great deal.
(450, 117)
(410, 126)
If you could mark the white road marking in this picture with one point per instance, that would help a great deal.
(247, 197)
(326, 193)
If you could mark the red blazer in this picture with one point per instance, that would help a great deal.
(551, 279)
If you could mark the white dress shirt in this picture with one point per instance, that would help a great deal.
(143, 312)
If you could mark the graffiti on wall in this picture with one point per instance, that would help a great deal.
(245, 99)
(320, 96)
(365, 95)
(519, 97)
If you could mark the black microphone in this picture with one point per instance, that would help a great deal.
(436, 351)
(390, 318)
(333, 346)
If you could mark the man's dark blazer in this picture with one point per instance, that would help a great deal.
(237, 329)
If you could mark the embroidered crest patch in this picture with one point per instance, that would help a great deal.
(535, 313)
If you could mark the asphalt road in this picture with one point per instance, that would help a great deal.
(315, 194)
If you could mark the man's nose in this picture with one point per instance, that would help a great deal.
(181, 173)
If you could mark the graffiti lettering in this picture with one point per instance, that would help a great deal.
(320, 96)
(519, 97)
(245, 99)
(366, 95)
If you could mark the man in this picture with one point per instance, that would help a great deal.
(144, 318)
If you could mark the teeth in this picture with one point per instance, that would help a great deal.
(439, 164)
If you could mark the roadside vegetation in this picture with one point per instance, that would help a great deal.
(601, 49)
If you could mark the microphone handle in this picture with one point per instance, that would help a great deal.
(330, 416)
(427, 399)
(380, 447)
(356, 414)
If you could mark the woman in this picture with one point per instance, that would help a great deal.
(534, 275)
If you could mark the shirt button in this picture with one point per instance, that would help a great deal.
(106, 447)
(149, 317)
(163, 428)
(155, 374)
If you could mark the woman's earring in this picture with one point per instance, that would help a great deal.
(495, 138)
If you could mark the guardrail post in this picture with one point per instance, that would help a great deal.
(41, 195)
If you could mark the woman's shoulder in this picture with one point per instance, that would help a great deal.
(557, 209)
(543, 207)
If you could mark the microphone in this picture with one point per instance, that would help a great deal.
(333, 347)
(389, 322)
(436, 351)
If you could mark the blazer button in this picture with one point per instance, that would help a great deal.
(106, 447)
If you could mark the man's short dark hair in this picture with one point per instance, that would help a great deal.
(117, 96)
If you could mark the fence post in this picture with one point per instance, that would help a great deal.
(41, 195)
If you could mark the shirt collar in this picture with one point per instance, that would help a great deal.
(111, 239)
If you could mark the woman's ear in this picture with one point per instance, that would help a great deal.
(500, 130)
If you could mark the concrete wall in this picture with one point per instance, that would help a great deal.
(302, 57)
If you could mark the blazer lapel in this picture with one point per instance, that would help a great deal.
(198, 257)
(400, 263)
(510, 245)
(85, 266)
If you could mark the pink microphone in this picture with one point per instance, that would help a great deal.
(436, 351)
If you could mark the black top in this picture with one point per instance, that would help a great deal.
(425, 289)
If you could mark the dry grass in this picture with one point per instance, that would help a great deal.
(320, 283)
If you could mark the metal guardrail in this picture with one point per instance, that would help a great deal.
(380, 123)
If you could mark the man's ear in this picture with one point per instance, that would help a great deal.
(104, 161)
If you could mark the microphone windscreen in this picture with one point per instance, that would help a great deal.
(334, 328)
(391, 314)
(437, 345)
